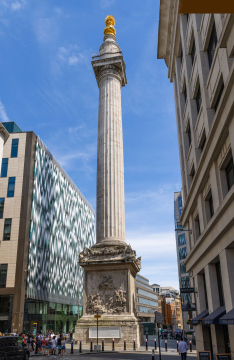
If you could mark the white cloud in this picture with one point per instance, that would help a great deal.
(158, 255)
(72, 55)
(13, 5)
(3, 114)
(46, 30)
(107, 3)
(17, 5)
(159, 201)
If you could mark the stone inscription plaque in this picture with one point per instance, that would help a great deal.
(105, 332)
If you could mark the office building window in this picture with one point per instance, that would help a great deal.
(185, 282)
(189, 135)
(1, 207)
(185, 94)
(193, 52)
(212, 45)
(211, 206)
(219, 97)
(220, 285)
(4, 167)
(203, 142)
(181, 239)
(230, 174)
(182, 268)
(14, 148)
(183, 253)
(205, 290)
(192, 174)
(3, 275)
(7, 230)
(198, 99)
(197, 227)
(11, 187)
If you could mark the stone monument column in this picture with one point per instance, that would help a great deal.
(109, 69)
(110, 266)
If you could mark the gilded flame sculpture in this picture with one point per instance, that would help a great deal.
(110, 23)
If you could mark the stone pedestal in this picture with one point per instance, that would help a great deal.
(109, 290)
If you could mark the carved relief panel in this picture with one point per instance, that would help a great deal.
(107, 293)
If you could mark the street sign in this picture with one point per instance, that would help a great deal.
(97, 316)
(188, 290)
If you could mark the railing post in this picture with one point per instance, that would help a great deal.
(72, 347)
(134, 344)
(124, 344)
(113, 344)
(165, 345)
(191, 347)
(91, 345)
(155, 344)
(146, 344)
(152, 354)
(177, 346)
(102, 344)
(80, 347)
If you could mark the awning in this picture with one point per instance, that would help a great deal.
(214, 317)
(198, 318)
(227, 319)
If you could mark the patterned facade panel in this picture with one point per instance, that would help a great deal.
(62, 225)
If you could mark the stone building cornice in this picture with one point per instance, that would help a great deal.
(168, 41)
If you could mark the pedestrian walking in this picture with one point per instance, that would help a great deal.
(54, 345)
(44, 343)
(59, 344)
(63, 347)
(183, 347)
(49, 346)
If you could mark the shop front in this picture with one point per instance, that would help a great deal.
(40, 316)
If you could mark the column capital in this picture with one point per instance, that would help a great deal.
(109, 66)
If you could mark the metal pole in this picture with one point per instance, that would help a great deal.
(97, 328)
(159, 347)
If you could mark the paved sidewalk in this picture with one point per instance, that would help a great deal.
(119, 353)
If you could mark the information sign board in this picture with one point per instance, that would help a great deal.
(223, 356)
(188, 290)
(97, 316)
(159, 319)
(204, 355)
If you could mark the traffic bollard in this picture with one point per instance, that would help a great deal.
(91, 345)
(134, 344)
(102, 344)
(155, 344)
(124, 344)
(113, 344)
(72, 347)
(165, 345)
(80, 347)
(191, 347)
(177, 346)
(152, 354)
(146, 344)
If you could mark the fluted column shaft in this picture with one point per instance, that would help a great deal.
(110, 213)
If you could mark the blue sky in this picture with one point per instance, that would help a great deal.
(47, 85)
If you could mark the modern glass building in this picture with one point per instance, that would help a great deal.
(147, 303)
(181, 247)
(45, 222)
